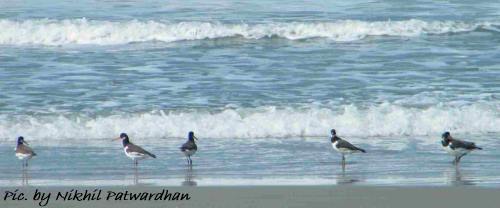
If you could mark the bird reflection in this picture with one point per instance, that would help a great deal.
(456, 177)
(188, 181)
(345, 179)
(25, 177)
(136, 176)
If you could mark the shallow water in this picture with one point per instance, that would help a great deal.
(388, 75)
(270, 161)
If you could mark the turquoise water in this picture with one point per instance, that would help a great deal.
(246, 76)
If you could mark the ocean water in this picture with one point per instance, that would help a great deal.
(261, 83)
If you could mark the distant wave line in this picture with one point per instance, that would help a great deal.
(98, 32)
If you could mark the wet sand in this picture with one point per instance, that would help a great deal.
(284, 196)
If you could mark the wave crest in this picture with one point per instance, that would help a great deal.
(83, 31)
(382, 120)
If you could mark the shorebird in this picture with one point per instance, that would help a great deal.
(23, 151)
(133, 151)
(343, 146)
(189, 148)
(457, 148)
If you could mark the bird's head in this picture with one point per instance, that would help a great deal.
(333, 132)
(20, 140)
(191, 136)
(446, 136)
(124, 138)
(334, 135)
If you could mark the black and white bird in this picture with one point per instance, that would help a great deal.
(23, 151)
(189, 148)
(343, 146)
(457, 148)
(133, 151)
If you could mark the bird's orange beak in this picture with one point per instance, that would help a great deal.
(195, 138)
(116, 139)
(26, 142)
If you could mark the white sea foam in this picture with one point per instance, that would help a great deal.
(83, 31)
(382, 120)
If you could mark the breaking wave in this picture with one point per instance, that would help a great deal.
(84, 31)
(381, 120)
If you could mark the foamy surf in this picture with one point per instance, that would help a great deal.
(382, 120)
(96, 32)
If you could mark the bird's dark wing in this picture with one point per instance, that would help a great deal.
(463, 144)
(135, 148)
(345, 144)
(23, 149)
(189, 146)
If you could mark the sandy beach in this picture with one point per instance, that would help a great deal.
(285, 196)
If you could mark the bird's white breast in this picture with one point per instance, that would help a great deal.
(133, 155)
(456, 151)
(334, 145)
(22, 156)
(189, 152)
(341, 150)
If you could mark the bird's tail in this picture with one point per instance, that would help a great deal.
(151, 154)
(362, 150)
(479, 148)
